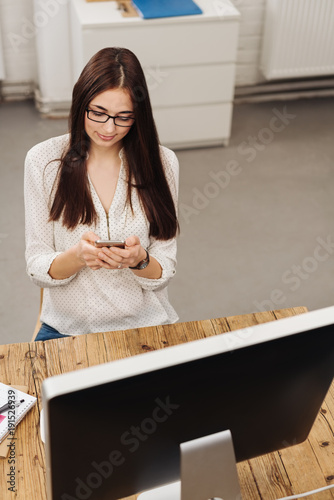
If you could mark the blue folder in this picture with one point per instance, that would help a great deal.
(150, 9)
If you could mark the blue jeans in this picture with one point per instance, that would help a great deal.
(46, 332)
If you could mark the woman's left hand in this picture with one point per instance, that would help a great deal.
(120, 258)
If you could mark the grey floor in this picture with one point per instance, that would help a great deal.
(256, 217)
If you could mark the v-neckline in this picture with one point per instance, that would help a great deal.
(113, 201)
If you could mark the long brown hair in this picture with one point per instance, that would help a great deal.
(114, 68)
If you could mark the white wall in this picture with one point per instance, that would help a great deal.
(18, 42)
(250, 40)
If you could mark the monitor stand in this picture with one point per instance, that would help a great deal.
(208, 471)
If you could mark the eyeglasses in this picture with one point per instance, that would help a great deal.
(120, 121)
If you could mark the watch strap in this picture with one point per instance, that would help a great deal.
(143, 263)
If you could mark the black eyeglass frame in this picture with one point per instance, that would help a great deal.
(108, 118)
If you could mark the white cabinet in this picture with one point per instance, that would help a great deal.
(189, 63)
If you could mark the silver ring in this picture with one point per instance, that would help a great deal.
(119, 266)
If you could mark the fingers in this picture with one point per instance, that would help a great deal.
(132, 241)
(90, 236)
(97, 258)
(113, 257)
(112, 260)
(86, 251)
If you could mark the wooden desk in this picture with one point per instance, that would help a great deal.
(292, 470)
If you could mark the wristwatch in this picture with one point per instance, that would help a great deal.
(143, 263)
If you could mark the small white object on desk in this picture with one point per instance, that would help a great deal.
(19, 403)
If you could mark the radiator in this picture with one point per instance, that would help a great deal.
(298, 39)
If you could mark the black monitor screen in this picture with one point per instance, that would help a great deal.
(120, 437)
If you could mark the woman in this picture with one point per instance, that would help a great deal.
(107, 179)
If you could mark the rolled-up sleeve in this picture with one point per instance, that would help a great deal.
(40, 250)
(165, 253)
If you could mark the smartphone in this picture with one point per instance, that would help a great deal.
(109, 243)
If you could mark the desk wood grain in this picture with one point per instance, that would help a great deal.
(291, 470)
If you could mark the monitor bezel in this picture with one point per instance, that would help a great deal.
(119, 370)
(84, 378)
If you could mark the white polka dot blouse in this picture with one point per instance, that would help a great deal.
(103, 300)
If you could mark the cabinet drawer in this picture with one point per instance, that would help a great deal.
(170, 44)
(193, 126)
(190, 85)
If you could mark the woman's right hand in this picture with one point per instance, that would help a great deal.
(86, 251)
(75, 258)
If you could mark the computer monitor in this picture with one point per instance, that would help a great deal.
(115, 429)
